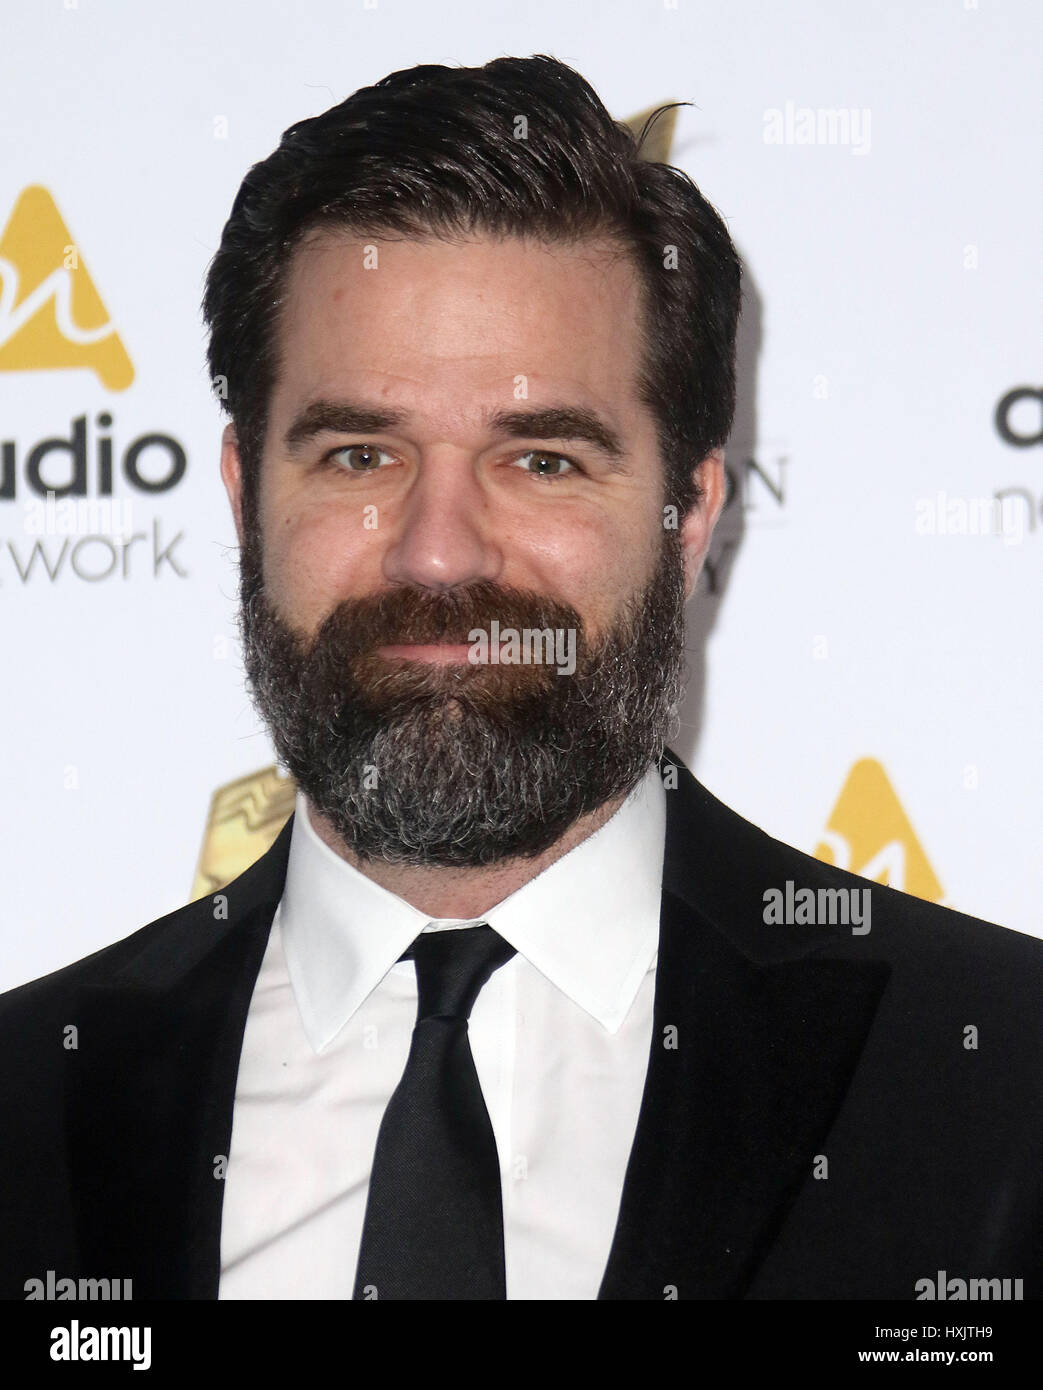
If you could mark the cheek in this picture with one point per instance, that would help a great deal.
(314, 557)
(597, 563)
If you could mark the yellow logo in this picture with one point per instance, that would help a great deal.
(656, 147)
(244, 820)
(870, 834)
(51, 314)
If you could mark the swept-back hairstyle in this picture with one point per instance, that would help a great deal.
(521, 146)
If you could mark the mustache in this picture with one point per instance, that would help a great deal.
(406, 614)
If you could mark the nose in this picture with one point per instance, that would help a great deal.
(444, 531)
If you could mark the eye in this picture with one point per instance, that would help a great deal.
(546, 465)
(359, 458)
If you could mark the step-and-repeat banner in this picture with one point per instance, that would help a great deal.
(865, 657)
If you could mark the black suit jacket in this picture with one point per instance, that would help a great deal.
(774, 1047)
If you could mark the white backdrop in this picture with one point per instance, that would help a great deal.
(878, 167)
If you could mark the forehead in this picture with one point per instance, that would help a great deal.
(446, 319)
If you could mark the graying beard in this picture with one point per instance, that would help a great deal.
(467, 790)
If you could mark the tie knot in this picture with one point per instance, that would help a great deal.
(452, 966)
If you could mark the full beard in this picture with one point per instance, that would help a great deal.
(462, 765)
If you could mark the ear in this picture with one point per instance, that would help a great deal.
(232, 476)
(699, 521)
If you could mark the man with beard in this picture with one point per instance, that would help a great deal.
(503, 1012)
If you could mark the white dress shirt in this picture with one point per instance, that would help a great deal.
(560, 1036)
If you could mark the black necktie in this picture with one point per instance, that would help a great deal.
(434, 1214)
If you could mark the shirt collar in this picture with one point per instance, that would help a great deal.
(589, 923)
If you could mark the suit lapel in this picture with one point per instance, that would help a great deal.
(748, 1067)
(750, 1061)
(149, 1112)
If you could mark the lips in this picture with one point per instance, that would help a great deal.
(438, 652)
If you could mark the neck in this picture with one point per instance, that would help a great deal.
(456, 892)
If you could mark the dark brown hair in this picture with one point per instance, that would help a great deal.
(520, 146)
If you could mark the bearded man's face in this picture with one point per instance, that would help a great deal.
(456, 447)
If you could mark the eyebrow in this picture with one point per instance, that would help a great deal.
(565, 422)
